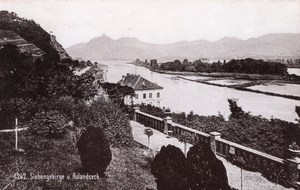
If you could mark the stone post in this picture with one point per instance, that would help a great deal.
(213, 137)
(166, 121)
(136, 108)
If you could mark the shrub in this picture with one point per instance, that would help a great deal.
(168, 167)
(50, 124)
(113, 121)
(236, 111)
(204, 170)
(94, 150)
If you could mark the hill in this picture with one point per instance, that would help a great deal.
(283, 45)
(29, 37)
(10, 37)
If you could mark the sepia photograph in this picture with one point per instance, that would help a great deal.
(149, 94)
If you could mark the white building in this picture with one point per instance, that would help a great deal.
(145, 91)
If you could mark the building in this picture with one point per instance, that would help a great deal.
(145, 91)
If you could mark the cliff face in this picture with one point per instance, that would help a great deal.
(29, 37)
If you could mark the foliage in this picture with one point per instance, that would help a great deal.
(14, 68)
(59, 156)
(249, 66)
(168, 167)
(117, 92)
(236, 111)
(32, 33)
(21, 108)
(185, 138)
(109, 117)
(297, 110)
(50, 124)
(156, 111)
(294, 146)
(94, 150)
(271, 136)
(204, 170)
(20, 76)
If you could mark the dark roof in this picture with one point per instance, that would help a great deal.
(138, 83)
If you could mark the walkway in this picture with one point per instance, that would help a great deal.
(251, 180)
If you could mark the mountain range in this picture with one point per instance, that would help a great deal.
(271, 46)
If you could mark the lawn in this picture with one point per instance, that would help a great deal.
(127, 170)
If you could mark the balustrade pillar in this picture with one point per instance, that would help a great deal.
(213, 136)
(166, 121)
(136, 108)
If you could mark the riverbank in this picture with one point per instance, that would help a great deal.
(291, 79)
(242, 87)
(253, 80)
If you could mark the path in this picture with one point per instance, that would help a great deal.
(251, 180)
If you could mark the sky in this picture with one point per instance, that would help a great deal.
(159, 21)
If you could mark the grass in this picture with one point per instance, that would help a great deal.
(127, 170)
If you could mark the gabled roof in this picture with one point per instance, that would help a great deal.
(138, 83)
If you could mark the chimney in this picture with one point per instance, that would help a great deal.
(123, 78)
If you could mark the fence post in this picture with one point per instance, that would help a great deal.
(167, 120)
(293, 166)
(136, 108)
(213, 136)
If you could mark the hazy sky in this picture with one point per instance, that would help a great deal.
(159, 21)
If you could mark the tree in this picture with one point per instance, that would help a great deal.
(185, 138)
(149, 133)
(168, 167)
(94, 151)
(117, 92)
(297, 110)
(204, 170)
(236, 111)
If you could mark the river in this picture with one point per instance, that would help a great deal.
(295, 71)
(183, 96)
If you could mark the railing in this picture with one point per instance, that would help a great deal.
(150, 120)
(221, 146)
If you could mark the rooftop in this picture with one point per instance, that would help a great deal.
(138, 83)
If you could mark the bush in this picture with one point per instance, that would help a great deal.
(94, 151)
(204, 170)
(49, 124)
(168, 167)
(236, 111)
(113, 121)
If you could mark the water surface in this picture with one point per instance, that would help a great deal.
(182, 95)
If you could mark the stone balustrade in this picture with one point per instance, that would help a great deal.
(224, 147)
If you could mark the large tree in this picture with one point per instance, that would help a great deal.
(94, 150)
(204, 170)
(168, 167)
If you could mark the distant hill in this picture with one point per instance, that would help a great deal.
(29, 37)
(268, 46)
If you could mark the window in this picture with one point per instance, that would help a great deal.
(150, 95)
(136, 96)
(158, 95)
(144, 96)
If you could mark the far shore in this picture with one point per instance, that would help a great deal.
(255, 79)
